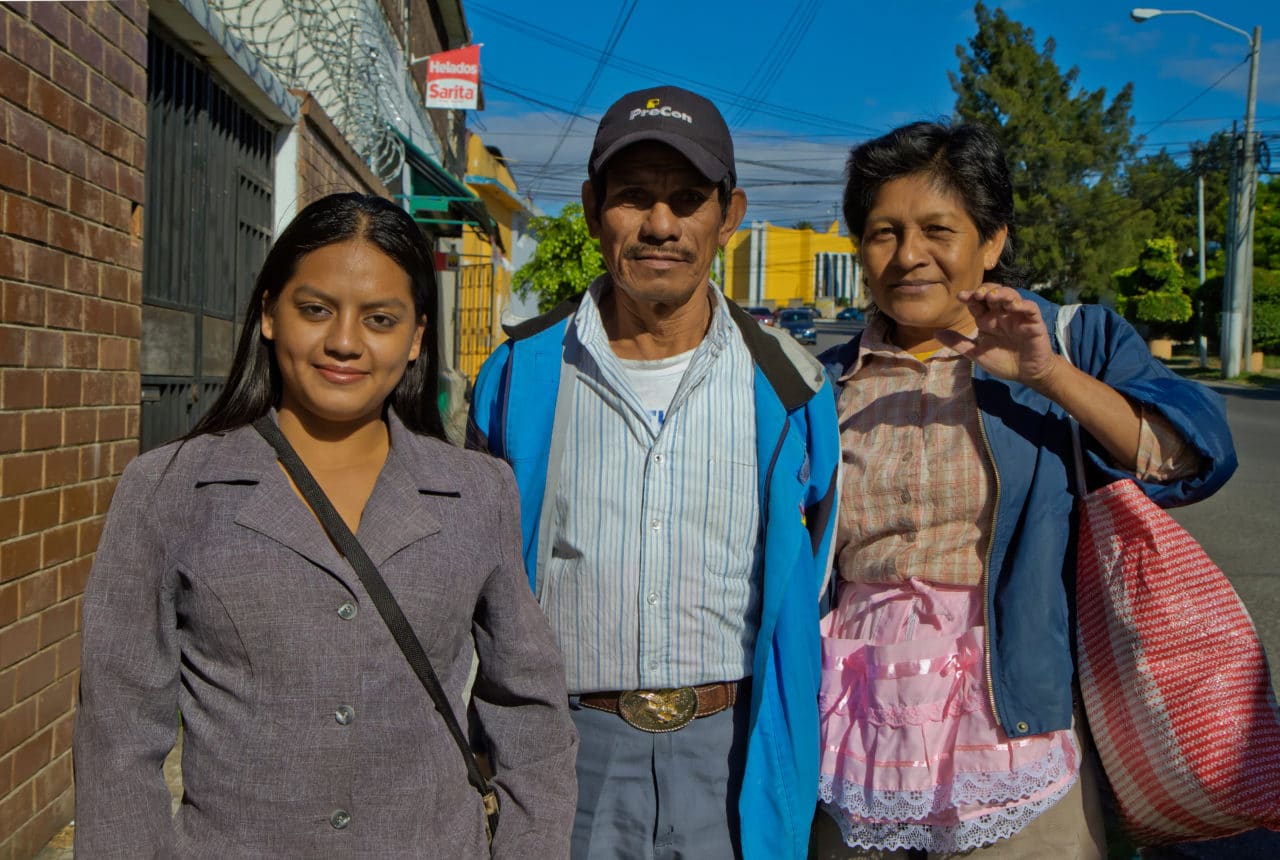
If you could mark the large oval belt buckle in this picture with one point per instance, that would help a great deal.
(658, 710)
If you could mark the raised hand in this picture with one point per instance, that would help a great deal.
(1012, 341)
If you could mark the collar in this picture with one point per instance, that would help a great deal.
(589, 325)
(875, 342)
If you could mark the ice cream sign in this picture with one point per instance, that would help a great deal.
(453, 79)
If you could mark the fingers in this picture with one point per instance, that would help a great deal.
(993, 298)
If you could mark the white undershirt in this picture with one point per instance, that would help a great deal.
(655, 382)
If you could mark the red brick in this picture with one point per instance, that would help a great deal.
(16, 809)
(60, 544)
(13, 170)
(17, 642)
(96, 389)
(82, 350)
(72, 577)
(41, 430)
(99, 315)
(23, 389)
(131, 183)
(32, 755)
(113, 354)
(44, 348)
(117, 213)
(20, 473)
(13, 258)
(39, 512)
(58, 622)
(111, 424)
(106, 20)
(14, 80)
(68, 654)
(13, 345)
(68, 152)
(122, 453)
(82, 274)
(115, 283)
(35, 674)
(26, 218)
(102, 493)
(70, 74)
(105, 96)
(23, 304)
(63, 730)
(30, 47)
(76, 503)
(6, 695)
(10, 511)
(84, 43)
(51, 18)
(28, 133)
(95, 462)
(128, 320)
(100, 169)
(62, 388)
(8, 614)
(49, 184)
(118, 141)
(45, 266)
(132, 421)
(54, 779)
(117, 67)
(79, 426)
(126, 389)
(86, 200)
(61, 467)
(68, 233)
(50, 103)
(63, 310)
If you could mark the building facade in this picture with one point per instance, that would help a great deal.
(772, 266)
(149, 153)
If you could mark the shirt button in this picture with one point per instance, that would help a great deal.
(347, 611)
(653, 598)
(340, 818)
(906, 457)
(655, 525)
(658, 458)
(904, 496)
(344, 715)
(909, 537)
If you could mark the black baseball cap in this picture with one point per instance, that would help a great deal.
(685, 121)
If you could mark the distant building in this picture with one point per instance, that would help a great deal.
(779, 266)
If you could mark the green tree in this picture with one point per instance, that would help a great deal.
(804, 225)
(1066, 148)
(1154, 292)
(566, 262)
(1266, 227)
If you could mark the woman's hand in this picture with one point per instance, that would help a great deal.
(1012, 341)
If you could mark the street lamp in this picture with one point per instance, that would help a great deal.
(1238, 297)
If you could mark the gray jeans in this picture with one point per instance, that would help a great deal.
(659, 796)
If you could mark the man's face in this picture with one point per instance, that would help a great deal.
(659, 225)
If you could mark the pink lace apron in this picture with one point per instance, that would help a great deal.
(912, 756)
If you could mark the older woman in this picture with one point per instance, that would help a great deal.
(947, 719)
(217, 595)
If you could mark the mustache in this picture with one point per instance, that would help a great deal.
(636, 250)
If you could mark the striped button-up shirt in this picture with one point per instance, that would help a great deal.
(651, 578)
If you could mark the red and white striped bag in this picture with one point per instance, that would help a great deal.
(1174, 680)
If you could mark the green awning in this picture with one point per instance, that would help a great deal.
(440, 198)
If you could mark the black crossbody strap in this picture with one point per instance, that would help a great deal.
(378, 593)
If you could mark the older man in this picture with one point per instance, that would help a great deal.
(677, 470)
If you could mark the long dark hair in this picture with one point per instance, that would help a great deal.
(254, 386)
(964, 158)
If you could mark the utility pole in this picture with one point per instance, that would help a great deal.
(1202, 347)
(1235, 317)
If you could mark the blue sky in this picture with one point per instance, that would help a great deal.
(815, 76)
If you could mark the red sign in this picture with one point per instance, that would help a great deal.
(453, 79)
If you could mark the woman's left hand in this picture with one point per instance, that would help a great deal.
(1012, 341)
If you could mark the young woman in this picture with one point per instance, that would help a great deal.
(947, 719)
(216, 595)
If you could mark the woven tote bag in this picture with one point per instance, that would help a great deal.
(1174, 680)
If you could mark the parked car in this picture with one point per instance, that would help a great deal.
(762, 314)
(851, 314)
(799, 322)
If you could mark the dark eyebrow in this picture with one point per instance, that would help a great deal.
(316, 292)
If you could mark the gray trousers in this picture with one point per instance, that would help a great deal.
(659, 796)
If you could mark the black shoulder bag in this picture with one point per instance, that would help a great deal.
(385, 603)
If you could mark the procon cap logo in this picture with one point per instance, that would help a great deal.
(653, 107)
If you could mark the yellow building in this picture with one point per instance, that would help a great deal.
(780, 266)
(485, 267)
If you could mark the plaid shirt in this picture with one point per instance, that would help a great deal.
(917, 494)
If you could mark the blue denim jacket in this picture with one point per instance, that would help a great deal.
(1030, 571)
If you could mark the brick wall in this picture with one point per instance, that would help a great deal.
(72, 107)
(326, 162)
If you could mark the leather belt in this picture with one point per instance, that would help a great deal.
(670, 709)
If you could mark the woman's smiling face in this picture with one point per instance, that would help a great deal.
(344, 330)
(919, 249)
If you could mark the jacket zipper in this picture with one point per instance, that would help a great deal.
(986, 564)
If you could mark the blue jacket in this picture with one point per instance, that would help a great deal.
(798, 450)
(1030, 571)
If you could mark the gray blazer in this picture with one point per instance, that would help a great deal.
(216, 594)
